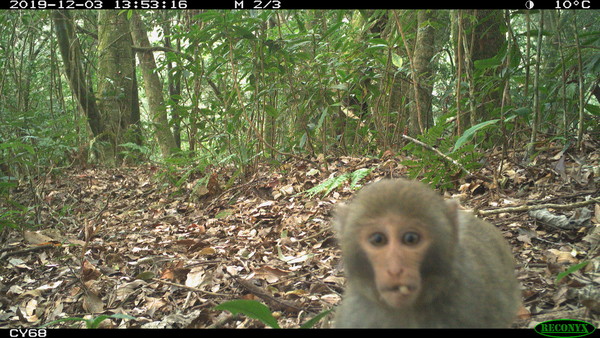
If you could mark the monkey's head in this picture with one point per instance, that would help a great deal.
(397, 236)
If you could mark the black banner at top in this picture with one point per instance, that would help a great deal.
(295, 4)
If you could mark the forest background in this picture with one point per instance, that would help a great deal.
(208, 102)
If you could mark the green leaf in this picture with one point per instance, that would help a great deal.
(70, 319)
(515, 57)
(593, 109)
(486, 63)
(334, 28)
(468, 134)
(91, 323)
(17, 146)
(375, 48)
(523, 111)
(94, 323)
(315, 320)
(397, 60)
(570, 270)
(250, 308)
(378, 41)
(243, 32)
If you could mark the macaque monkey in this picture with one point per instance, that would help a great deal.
(413, 260)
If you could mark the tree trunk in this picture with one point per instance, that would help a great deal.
(153, 86)
(116, 80)
(487, 42)
(71, 55)
(174, 83)
(423, 53)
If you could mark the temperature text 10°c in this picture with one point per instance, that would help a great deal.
(566, 4)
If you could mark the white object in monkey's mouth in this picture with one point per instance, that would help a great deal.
(398, 296)
(403, 289)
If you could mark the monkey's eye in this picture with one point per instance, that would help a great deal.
(411, 238)
(377, 239)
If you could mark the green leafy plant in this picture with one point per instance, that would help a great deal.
(261, 312)
(179, 168)
(11, 211)
(434, 169)
(12, 215)
(134, 151)
(333, 183)
(92, 323)
(469, 133)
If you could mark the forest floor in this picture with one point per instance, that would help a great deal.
(122, 241)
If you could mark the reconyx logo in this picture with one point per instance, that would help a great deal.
(564, 328)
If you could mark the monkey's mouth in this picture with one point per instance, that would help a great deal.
(398, 296)
(400, 289)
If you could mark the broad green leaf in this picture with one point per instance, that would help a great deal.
(17, 146)
(570, 270)
(243, 32)
(468, 134)
(375, 47)
(334, 28)
(523, 111)
(593, 109)
(378, 41)
(310, 323)
(487, 63)
(250, 308)
(70, 319)
(397, 60)
(91, 323)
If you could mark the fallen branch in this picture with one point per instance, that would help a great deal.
(538, 206)
(272, 302)
(30, 249)
(191, 288)
(442, 155)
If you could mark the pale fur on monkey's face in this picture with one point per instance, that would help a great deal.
(395, 247)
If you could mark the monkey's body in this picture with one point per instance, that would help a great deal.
(449, 270)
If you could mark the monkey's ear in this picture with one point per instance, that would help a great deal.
(340, 213)
(452, 207)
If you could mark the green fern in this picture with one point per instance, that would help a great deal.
(433, 169)
(333, 183)
(358, 175)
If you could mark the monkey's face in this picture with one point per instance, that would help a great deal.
(395, 246)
